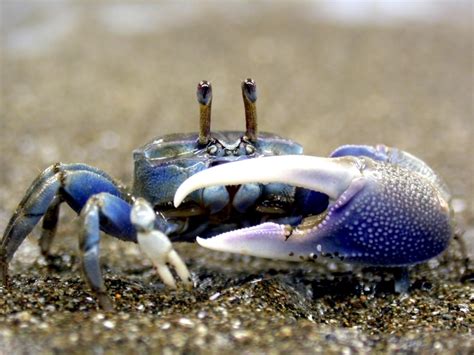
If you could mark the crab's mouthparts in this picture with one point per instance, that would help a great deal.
(330, 176)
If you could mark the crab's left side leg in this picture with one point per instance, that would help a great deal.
(117, 217)
(50, 224)
(84, 188)
(70, 183)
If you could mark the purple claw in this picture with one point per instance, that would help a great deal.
(378, 214)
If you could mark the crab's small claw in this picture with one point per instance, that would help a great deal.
(156, 245)
(378, 214)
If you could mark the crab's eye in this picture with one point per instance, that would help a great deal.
(249, 149)
(249, 89)
(204, 92)
(212, 149)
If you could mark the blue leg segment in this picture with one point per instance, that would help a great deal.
(71, 183)
(50, 223)
(111, 214)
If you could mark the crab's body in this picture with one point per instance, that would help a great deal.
(248, 193)
(175, 158)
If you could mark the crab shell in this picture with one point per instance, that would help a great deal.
(162, 165)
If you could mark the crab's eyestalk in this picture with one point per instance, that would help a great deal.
(249, 94)
(204, 97)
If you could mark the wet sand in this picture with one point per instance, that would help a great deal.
(97, 94)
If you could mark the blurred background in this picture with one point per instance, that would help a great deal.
(89, 81)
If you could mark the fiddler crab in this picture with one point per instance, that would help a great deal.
(244, 192)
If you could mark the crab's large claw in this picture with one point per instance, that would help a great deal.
(379, 213)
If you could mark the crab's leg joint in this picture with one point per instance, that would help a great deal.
(204, 97)
(70, 183)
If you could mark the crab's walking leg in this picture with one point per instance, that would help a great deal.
(138, 224)
(72, 183)
(402, 280)
(111, 214)
(103, 207)
(50, 223)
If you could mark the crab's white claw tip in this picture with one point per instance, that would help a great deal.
(158, 248)
(331, 176)
(205, 243)
(180, 195)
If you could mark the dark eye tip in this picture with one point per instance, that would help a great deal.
(204, 92)
(249, 88)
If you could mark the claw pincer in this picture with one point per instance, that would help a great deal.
(379, 214)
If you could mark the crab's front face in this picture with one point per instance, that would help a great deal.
(162, 165)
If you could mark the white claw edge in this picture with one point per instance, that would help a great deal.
(331, 176)
(157, 246)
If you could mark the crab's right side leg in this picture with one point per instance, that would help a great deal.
(70, 183)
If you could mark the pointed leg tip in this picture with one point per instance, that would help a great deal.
(4, 272)
(402, 281)
(105, 302)
(188, 283)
